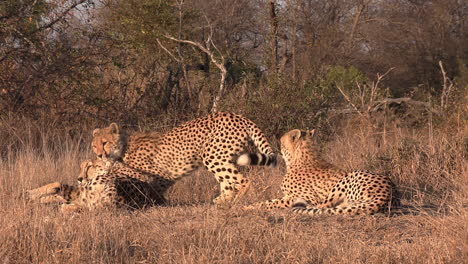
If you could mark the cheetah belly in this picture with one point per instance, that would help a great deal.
(184, 163)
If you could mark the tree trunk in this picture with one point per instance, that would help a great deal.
(274, 36)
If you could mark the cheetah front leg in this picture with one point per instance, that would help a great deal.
(49, 189)
(54, 198)
(70, 208)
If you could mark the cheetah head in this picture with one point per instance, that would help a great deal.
(294, 142)
(109, 142)
(90, 169)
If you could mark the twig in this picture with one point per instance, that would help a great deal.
(349, 100)
(401, 100)
(219, 65)
(167, 51)
(446, 89)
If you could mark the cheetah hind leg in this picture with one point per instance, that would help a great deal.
(232, 188)
(228, 193)
(356, 207)
(284, 202)
(241, 189)
(233, 184)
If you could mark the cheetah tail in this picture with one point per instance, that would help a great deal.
(260, 141)
(258, 159)
(300, 202)
(299, 207)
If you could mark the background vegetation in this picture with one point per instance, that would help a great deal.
(96, 61)
(385, 83)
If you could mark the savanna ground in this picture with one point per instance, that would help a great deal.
(427, 163)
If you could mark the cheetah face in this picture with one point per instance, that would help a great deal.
(108, 142)
(92, 169)
(293, 142)
(84, 171)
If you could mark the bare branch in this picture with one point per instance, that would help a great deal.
(59, 17)
(45, 26)
(356, 20)
(218, 64)
(406, 100)
(380, 77)
(168, 51)
(367, 103)
(446, 89)
(349, 100)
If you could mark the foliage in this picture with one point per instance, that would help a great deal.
(28, 16)
(280, 104)
(347, 78)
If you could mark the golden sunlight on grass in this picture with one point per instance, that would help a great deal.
(430, 170)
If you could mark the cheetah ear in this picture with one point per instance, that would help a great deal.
(95, 131)
(86, 163)
(114, 128)
(311, 133)
(296, 134)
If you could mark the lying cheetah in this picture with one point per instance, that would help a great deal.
(101, 184)
(215, 141)
(313, 186)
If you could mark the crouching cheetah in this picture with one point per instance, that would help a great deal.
(214, 141)
(100, 184)
(313, 186)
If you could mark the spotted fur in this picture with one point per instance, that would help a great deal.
(313, 186)
(214, 141)
(101, 184)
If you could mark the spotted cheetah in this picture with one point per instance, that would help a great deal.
(214, 141)
(313, 186)
(100, 184)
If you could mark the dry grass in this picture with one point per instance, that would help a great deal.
(429, 165)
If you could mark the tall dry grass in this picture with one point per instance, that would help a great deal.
(429, 165)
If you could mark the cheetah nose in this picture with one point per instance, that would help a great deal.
(80, 179)
(99, 156)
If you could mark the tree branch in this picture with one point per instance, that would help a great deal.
(219, 65)
(446, 89)
(58, 18)
(48, 25)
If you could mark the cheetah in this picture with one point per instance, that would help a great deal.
(313, 186)
(100, 184)
(215, 141)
